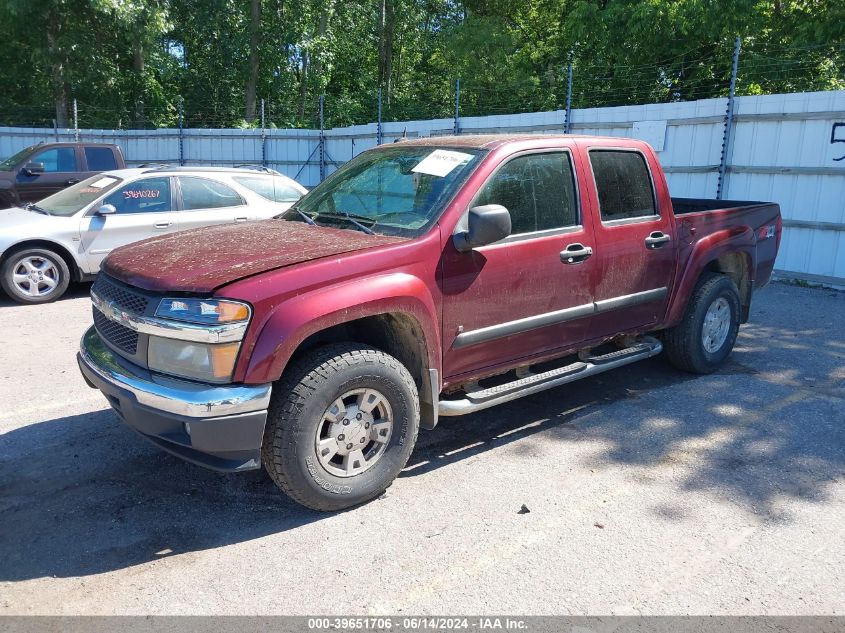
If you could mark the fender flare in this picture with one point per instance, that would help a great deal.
(738, 239)
(295, 319)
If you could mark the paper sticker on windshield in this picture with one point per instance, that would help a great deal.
(102, 182)
(440, 162)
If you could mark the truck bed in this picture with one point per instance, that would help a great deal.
(695, 205)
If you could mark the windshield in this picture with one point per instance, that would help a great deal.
(397, 190)
(10, 162)
(71, 200)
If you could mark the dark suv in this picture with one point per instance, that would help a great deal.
(41, 170)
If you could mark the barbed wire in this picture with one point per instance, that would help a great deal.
(699, 72)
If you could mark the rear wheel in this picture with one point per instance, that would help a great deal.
(35, 275)
(342, 423)
(702, 341)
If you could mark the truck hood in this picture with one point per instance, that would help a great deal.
(202, 260)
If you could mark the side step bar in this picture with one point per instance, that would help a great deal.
(534, 383)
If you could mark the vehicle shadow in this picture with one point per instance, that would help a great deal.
(768, 426)
(83, 494)
(76, 290)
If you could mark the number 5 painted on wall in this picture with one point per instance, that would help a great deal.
(834, 139)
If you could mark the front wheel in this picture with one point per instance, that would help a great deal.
(702, 341)
(34, 275)
(341, 426)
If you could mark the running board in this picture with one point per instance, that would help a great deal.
(534, 383)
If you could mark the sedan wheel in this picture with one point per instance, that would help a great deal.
(34, 275)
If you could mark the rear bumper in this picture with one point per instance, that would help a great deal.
(217, 426)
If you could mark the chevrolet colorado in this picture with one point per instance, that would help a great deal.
(433, 277)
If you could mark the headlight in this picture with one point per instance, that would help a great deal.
(199, 361)
(204, 311)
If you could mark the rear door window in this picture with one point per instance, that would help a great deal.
(623, 183)
(269, 187)
(202, 193)
(148, 195)
(100, 158)
(57, 159)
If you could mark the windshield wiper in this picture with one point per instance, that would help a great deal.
(303, 215)
(350, 218)
(31, 206)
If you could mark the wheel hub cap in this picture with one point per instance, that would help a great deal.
(35, 276)
(354, 432)
(717, 324)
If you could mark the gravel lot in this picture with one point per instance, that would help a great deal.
(650, 492)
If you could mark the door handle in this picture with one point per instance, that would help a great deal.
(240, 219)
(657, 239)
(575, 253)
(72, 181)
(162, 225)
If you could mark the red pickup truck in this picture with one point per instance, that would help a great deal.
(434, 277)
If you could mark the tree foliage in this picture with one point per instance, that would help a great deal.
(133, 62)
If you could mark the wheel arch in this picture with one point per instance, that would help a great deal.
(394, 313)
(59, 249)
(396, 333)
(730, 252)
(737, 267)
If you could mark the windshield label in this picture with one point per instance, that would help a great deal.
(440, 162)
(102, 182)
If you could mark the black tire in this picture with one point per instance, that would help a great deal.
(56, 263)
(684, 343)
(300, 400)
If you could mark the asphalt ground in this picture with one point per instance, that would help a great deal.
(648, 491)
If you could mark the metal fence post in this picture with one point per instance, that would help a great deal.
(378, 119)
(75, 121)
(263, 137)
(728, 133)
(567, 127)
(322, 142)
(457, 129)
(180, 110)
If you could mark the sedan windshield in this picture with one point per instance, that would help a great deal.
(73, 199)
(396, 190)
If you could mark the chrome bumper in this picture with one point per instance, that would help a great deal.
(170, 395)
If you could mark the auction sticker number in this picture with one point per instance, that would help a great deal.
(350, 624)
(141, 193)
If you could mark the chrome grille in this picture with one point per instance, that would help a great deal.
(118, 335)
(125, 299)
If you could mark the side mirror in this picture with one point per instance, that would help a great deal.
(33, 169)
(106, 209)
(486, 224)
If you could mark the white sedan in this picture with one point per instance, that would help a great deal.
(65, 237)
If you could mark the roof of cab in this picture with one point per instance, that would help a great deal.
(490, 141)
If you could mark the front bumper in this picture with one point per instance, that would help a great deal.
(216, 426)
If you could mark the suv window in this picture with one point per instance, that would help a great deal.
(537, 189)
(100, 158)
(271, 188)
(149, 195)
(201, 193)
(57, 159)
(623, 184)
